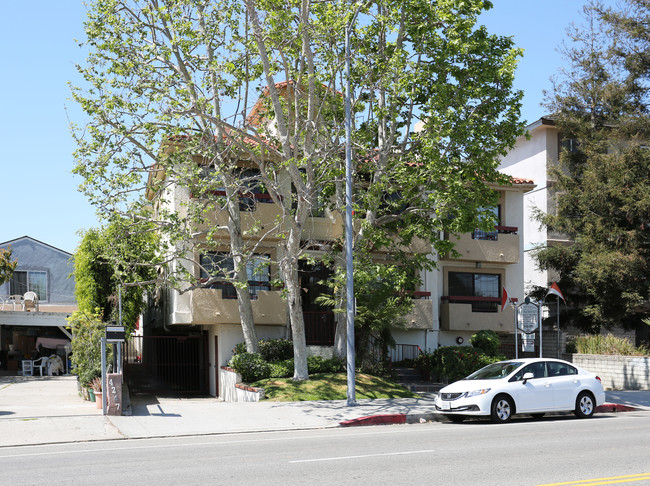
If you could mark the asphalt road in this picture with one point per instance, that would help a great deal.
(611, 448)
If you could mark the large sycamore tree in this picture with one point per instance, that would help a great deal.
(171, 92)
(602, 185)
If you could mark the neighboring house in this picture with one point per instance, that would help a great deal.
(532, 156)
(31, 327)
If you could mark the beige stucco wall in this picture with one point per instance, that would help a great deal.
(208, 307)
(421, 317)
(459, 317)
(504, 250)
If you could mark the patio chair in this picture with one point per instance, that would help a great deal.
(30, 301)
(41, 363)
(15, 300)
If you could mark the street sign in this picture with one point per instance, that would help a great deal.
(527, 317)
(115, 334)
(528, 343)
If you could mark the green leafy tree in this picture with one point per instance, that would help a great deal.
(602, 184)
(87, 330)
(170, 85)
(110, 258)
(7, 267)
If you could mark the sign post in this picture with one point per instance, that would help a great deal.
(527, 321)
(112, 382)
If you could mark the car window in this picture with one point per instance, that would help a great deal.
(556, 368)
(495, 371)
(537, 369)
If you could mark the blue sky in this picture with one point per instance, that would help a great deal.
(38, 52)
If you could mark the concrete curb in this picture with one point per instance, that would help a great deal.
(391, 419)
(403, 418)
(615, 407)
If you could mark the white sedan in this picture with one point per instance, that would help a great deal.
(522, 386)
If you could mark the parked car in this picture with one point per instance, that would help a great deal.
(522, 386)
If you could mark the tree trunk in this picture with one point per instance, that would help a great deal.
(241, 277)
(289, 265)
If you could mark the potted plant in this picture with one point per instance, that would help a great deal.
(97, 388)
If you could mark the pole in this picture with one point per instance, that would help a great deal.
(118, 369)
(349, 268)
(516, 332)
(104, 375)
(557, 316)
(541, 328)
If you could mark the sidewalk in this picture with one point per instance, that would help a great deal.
(48, 410)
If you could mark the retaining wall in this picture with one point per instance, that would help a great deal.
(617, 372)
(231, 389)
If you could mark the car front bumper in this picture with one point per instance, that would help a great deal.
(478, 405)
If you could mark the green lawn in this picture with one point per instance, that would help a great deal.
(330, 386)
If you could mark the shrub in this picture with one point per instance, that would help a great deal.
(452, 362)
(87, 332)
(239, 348)
(251, 366)
(487, 342)
(608, 344)
(317, 364)
(276, 349)
(282, 369)
(270, 349)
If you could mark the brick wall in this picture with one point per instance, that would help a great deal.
(617, 372)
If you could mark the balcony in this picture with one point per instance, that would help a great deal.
(498, 246)
(217, 306)
(475, 314)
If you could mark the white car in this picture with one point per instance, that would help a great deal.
(522, 386)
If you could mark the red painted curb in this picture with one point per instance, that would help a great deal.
(615, 407)
(382, 419)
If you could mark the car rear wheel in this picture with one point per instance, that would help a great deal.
(502, 409)
(585, 405)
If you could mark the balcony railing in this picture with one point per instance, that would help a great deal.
(479, 304)
(494, 235)
(228, 289)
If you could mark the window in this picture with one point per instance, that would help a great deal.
(220, 266)
(29, 281)
(479, 234)
(482, 290)
(254, 192)
(318, 204)
(537, 369)
(560, 369)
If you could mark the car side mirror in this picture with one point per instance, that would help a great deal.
(528, 376)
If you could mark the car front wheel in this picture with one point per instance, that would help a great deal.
(585, 406)
(502, 409)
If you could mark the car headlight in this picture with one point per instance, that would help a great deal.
(477, 392)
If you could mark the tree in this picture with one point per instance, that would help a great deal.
(7, 267)
(110, 261)
(602, 184)
(170, 85)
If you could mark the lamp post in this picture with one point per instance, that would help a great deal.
(349, 268)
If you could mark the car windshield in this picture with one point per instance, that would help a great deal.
(495, 371)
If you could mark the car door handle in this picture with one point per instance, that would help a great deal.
(547, 385)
